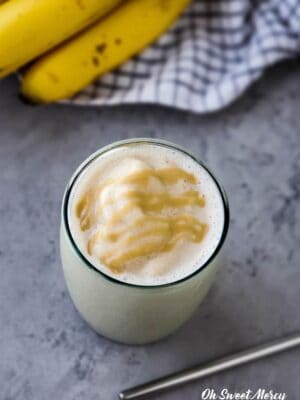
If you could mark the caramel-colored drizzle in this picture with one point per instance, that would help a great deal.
(168, 176)
(157, 233)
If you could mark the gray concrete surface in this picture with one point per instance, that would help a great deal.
(46, 351)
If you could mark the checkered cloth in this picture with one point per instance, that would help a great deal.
(211, 55)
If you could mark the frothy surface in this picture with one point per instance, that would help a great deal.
(146, 214)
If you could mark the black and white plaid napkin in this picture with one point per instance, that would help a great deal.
(211, 55)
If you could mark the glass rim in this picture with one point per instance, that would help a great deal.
(159, 142)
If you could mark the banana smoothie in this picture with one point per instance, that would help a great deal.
(143, 222)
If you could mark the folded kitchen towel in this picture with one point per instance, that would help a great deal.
(207, 59)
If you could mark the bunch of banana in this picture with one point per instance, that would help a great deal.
(29, 28)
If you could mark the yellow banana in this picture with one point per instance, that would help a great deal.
(75, 64)
(29, 28)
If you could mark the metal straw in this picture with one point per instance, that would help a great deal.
(211, 368)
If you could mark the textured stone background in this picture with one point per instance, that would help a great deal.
(46, 350)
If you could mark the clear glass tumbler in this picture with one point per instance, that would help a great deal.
(124, 312)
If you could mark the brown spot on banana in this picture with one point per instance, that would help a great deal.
(164, 5)
(80, 4)
(54, 78)
(95, 61)
(101, 47)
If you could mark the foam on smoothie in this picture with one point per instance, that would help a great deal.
(146, 214)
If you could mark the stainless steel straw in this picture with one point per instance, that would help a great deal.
(211, 368)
